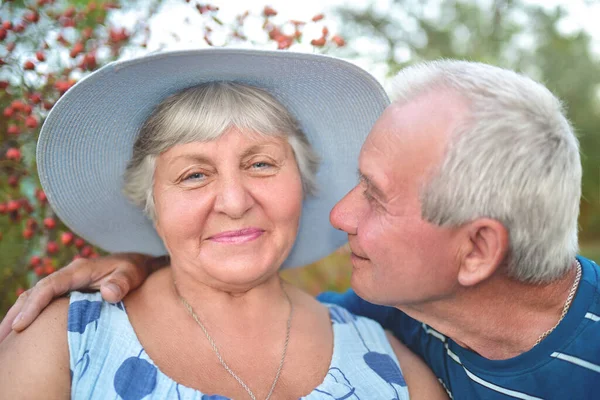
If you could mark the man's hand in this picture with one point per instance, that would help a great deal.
(113, 275)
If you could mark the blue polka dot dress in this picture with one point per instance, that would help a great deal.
(107, 360)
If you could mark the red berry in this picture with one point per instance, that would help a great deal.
(20, 291)
(79, 243)
(76, 50)
(38, 270)
(86, 251)
(2, 34)
(28, 233)
(34, 261)
(35, 98)
(29, 65)
(13, 129)
(17, 105)
(2, 208)
(318, 17)
(12, 206)
(8, 112)
(13, 154)
(338, 40)
(67, 238)
(49, 269)
(49, 223)
(40, 56)
(13, 181)
(41, 196)
(32, 16)
(269, 12)
(7, 25)
(69, 12)
(52, 247)
(318, 42)
(31, 122)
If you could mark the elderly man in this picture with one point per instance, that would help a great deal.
(464, 223)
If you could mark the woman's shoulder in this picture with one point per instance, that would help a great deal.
(42, 356)
(50, 324)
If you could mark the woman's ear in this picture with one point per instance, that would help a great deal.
(486, 245)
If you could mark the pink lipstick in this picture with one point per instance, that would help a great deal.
(238, 236)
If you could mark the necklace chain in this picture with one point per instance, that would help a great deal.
(567, 304)
(224, 364)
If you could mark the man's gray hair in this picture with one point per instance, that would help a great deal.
(515, 159)
(203, 113)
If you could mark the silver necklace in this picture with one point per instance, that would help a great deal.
(567, 304)
(224, 364)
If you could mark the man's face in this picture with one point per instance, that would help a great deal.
(398, 258)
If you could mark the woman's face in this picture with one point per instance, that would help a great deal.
(228, 210)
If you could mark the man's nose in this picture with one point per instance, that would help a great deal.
(345, 214)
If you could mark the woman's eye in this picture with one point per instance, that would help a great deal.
(260, 164)
(194, 176)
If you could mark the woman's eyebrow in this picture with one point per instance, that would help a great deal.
(190, 157)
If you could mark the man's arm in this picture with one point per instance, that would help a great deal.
(114, 275)
(420, 380)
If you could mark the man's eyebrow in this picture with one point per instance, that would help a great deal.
(371, 187)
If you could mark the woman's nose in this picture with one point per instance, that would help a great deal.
(234, 199)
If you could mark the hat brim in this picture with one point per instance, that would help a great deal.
(87, 138)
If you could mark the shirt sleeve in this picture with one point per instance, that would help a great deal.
(405, 328)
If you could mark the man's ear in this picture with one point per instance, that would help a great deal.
(486, 245)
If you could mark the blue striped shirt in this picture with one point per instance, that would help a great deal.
(565, 365)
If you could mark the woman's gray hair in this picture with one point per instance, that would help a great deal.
(203, 113)
(515, 159)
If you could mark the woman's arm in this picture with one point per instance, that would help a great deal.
(422, 383)
(34, 364)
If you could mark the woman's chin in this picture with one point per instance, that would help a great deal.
(242, 274)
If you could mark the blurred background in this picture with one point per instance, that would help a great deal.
(47, 45)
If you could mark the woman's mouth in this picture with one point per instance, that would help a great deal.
(237, 236)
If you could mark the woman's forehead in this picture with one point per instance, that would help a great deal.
(234, 141)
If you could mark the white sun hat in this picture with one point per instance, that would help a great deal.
(87, 138)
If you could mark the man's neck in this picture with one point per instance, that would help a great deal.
(500, 318)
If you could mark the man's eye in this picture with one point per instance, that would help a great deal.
(194, 176)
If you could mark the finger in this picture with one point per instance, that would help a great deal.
(119, 283)
(11, 315)
(71, 277)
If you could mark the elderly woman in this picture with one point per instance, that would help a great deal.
(223, 167)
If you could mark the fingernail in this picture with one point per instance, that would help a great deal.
(113, 288)
(17, 319)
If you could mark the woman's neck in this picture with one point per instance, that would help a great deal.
(240, 309)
